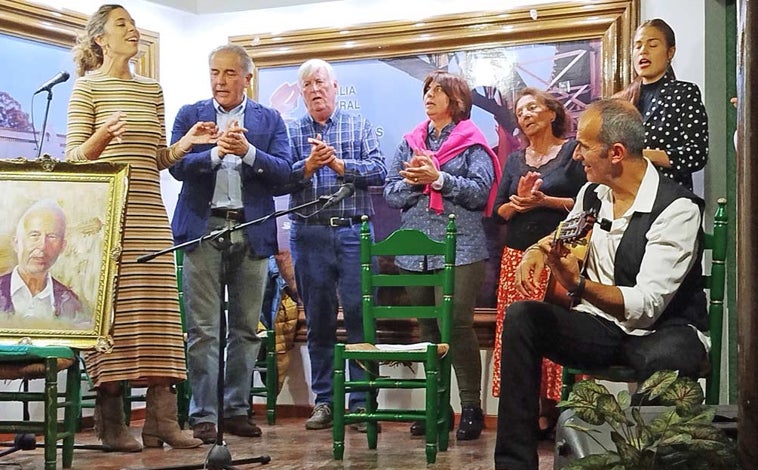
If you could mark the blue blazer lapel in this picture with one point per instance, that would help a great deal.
(252, 117)
(207, 112)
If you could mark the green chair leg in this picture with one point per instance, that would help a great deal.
(338, 404)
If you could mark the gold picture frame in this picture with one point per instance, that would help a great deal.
(612, 21)
(82, 264)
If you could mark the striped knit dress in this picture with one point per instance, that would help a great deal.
(147, 332)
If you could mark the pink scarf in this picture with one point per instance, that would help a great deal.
(464, 135)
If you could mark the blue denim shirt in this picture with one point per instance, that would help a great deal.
(467, 182)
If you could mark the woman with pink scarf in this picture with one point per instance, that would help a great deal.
(444, 166)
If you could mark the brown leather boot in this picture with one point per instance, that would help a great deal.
(110, 425)
(160, 421)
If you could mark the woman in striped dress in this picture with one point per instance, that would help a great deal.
(117, 116)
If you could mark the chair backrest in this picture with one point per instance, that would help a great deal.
(715, 282)
(407, 242)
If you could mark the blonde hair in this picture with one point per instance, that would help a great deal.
(88, 55)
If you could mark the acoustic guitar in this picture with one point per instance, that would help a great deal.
(573, 234)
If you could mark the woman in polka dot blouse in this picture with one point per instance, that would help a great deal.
(676, 124)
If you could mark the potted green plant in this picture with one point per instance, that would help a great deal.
(681, 436)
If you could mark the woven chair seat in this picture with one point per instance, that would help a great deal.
(442, 348)
(31, 370)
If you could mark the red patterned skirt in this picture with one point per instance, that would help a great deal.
(506, 295)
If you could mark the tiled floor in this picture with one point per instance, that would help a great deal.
(291, 447)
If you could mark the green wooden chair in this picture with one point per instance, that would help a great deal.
(28, 362)
(267, 370)
(433, 357)
(266, 367)
(716, 243)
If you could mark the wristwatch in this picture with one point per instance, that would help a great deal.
(576, 292)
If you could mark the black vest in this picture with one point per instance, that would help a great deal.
(688, 306)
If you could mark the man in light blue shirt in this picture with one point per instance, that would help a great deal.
(223, 185)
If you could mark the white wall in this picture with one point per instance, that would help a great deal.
(186, 40)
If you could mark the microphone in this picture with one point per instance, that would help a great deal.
(346, 190)
(60, 77)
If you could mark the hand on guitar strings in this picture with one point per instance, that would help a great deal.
(529, 270)
(564, 266)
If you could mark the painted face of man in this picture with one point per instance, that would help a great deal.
(40, 239)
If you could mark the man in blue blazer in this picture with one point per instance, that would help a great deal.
(223, 185)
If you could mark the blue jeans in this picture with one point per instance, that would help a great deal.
(209, 269)
(327, 267)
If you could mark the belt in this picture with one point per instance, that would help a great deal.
(229, 214)
(335, 221)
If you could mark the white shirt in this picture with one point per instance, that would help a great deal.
(27, 305)
(670, 252)
(228, 191)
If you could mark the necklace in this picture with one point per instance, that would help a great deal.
(536, 160)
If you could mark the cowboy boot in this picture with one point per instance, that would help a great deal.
(160, 421)
(110, 425)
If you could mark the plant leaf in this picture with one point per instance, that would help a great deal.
(658, 382)
(625, 399)
(628, 454)
(684, 393)
(579, 427)
(608, 407)
(594, 462)
(583, 399)
(663, 421)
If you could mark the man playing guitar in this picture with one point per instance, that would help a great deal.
(638, 299)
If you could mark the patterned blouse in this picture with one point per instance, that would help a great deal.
(467, 185)
(678, 123)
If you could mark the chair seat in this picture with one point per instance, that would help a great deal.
(442, 348)
(44, 362)
(26, 362)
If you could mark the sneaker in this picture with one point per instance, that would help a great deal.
(321, 418)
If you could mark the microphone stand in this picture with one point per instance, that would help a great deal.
(219, 457)
(44, 121)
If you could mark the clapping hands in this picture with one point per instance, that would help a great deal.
(528, 195)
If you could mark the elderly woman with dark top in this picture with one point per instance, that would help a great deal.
(536, 191)
(444, 166)
(676, 124)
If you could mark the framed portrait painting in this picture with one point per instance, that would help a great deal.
(575, 50)
(60, 241)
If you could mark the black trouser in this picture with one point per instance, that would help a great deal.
(533, 330)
